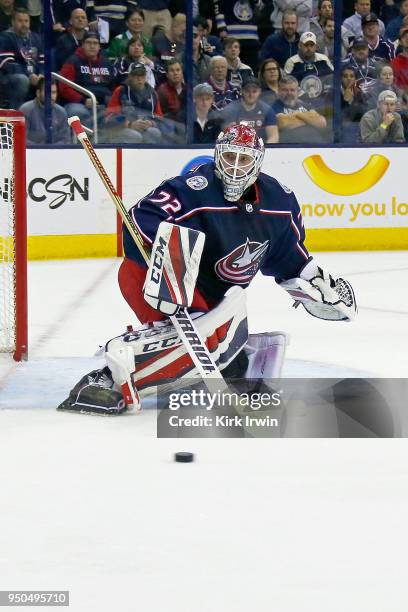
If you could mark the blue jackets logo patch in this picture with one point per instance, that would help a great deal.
(241, 265)
(197, 182)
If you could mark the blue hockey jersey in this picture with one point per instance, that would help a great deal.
(262, 232)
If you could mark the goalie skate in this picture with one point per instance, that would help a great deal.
(95, 394)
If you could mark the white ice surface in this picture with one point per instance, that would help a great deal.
(98, 506)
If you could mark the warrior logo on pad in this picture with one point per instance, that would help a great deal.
(242, 263)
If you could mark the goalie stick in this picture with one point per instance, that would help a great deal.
(182, 322)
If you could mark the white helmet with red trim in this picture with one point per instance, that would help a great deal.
(238, 157)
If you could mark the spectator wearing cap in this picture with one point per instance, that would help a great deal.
(303, 8)
(134, 110)
(379, 48)
(206, 127)
(400, 63)
(394, 26)
(71, 40)
(382, 125)
(269, 76)
(253, 111)
(90, 69)
(312, 70)
(363, 65)
(201, 61)
(237, 72)
(134, 55)
(297, 121)
(353, 23)
(224, 92)
(282, 44)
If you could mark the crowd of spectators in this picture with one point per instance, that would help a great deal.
(267, 62)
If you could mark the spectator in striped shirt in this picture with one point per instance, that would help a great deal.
(112, 11)
(237, 19)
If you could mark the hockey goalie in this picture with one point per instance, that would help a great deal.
(209, 232)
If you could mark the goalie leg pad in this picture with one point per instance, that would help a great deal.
(121, 364)
(266, 352)
(95, 394)
(160, 356)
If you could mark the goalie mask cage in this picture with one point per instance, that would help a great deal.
(13, 236)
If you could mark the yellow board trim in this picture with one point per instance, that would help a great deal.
(357, 239)
(71, 247)
(334, 239)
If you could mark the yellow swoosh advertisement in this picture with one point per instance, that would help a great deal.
(345, 184)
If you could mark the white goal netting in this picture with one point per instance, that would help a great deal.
(7, 240)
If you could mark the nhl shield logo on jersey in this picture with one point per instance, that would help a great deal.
(241, 265)
(197, 182)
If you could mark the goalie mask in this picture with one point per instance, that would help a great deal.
(238, 158)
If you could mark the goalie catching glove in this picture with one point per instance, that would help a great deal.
(173, 269)
(321, 295)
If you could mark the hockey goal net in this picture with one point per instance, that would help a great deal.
(13, 236)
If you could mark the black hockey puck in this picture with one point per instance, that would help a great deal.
(184, 457)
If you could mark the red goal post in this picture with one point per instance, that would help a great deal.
(13, 235)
